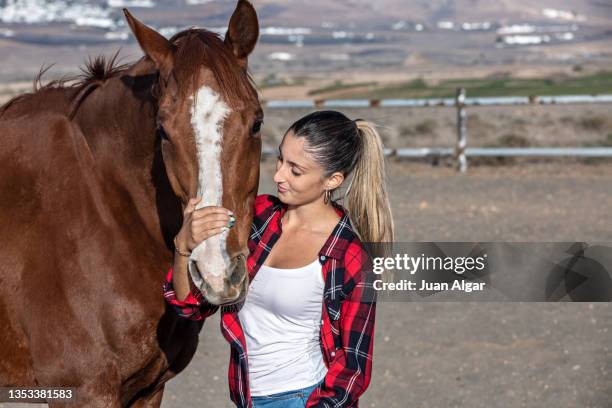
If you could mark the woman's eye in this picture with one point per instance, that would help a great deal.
(257, 127)
(279, 161)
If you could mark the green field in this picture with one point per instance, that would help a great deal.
(600, 83)
(340, 86)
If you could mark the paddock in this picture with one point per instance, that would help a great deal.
(470, 354)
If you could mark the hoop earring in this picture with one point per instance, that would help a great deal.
(327, 197)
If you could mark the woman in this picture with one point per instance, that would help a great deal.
(307, 322)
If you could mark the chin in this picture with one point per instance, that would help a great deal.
(288, 200)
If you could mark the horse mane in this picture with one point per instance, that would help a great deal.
(95, 72)
(101, 69)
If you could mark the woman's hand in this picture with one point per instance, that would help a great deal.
(202, 224)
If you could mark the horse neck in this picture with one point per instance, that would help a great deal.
(118, 120)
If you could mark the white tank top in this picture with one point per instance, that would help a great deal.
(281, 319)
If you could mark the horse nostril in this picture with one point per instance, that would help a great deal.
(206, 289)
(238, 271)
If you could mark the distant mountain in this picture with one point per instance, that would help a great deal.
(432, 11)
(323, 35)
(309, 12)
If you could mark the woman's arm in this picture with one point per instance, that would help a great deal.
(349, 372)
(179, 291)
(193, 306)
(180, 278)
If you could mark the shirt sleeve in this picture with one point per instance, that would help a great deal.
(193, 307)
(350, 370)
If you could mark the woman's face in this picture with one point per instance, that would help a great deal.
(299, 179)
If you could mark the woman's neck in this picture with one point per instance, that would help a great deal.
(315, 216)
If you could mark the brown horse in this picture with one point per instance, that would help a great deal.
(93, 181)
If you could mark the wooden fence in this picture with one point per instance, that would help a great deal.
(461, 152)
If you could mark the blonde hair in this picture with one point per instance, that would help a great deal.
(366, 198)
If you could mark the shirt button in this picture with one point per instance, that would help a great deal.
(321, 321)
(333, 353)
(323, 257)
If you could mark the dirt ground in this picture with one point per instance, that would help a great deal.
(503, 355)
(472, 355)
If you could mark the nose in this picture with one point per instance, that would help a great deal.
(278, 176)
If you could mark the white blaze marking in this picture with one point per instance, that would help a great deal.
(207, 117)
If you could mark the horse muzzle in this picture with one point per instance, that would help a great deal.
(225, 288)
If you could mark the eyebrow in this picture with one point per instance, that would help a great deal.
(292, 162)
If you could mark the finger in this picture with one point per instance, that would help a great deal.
(204, 211)
(193, 201)
(215, 208)
(207, 226)
(204, 226)
(216, 231)
(191, 205)
(213, 217)
(210, 233)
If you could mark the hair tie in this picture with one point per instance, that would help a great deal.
(356, 122)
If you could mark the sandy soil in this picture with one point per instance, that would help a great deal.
(474, 355)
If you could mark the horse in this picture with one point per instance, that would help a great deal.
(96, 172)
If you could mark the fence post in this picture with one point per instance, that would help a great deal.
(461, 130)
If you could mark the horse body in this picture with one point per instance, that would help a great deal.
(91, 250)
(88, 212)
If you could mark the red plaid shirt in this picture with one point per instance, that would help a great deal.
(349, 307)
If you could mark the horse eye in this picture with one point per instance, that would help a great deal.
(257, 127)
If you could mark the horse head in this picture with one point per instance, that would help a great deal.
(209, 118)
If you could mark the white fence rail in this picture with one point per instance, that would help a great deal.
(461, 152)
(448, 102)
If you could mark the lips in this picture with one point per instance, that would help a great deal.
(281, 189)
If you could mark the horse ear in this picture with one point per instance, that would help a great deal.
(153, 44)
(243, 31)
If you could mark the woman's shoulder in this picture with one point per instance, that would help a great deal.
(355, 252)
(345, 234)
(349, 247)
(357, 267)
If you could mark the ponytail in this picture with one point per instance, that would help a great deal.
(366, 198)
